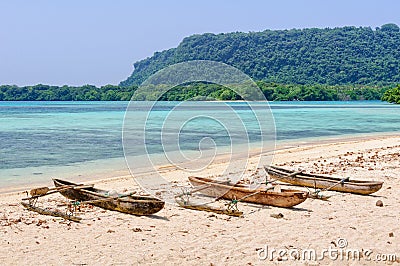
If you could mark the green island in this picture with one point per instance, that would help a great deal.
(331, 64)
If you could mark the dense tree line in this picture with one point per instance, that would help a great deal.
(392, 95)
(278, 92)
(66, 93)
(331, 56)
(197, 91)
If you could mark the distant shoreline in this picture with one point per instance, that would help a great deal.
(194, 91)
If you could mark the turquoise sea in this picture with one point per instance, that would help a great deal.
(45, 139)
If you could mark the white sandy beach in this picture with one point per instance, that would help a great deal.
(177, 236)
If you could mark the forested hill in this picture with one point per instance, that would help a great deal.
(347, 55)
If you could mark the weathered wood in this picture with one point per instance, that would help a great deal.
(318, 195)
(311, 194)
(324, 182)
(285, 198)
(337, 183)
(207, 208)
(131, 204)
(40, 191)
(37, 193)
(294, 174)
(51, 213)
(102, 200)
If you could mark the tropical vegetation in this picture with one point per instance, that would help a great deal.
(392, 95)
(331, 56)
(346, 63)
(193, 91)
(65, 93)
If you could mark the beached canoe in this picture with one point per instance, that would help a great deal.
(215, 188)
(131, 204)
(324, 182)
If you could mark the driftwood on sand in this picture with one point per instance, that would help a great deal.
(51, 212)
(208, 208)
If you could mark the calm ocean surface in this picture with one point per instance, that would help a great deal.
(41, 139)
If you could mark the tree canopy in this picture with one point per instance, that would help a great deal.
(392, 95)
(331, 56)
(42, 92)
(346, 63)
(192, 91)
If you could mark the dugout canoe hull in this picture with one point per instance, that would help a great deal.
(323, 182)
(286, 198)
(136, 205)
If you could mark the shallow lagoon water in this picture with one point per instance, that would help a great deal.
(43, 139)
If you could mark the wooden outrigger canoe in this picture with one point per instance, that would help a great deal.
(323, 182)
(131, 204)
(286, 198)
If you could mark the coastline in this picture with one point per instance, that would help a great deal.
(189, 237)
(123, 171)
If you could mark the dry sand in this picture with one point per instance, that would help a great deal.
(177, 236)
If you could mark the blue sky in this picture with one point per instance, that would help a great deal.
(96, 42)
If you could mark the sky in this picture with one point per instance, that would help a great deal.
(96, 42)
